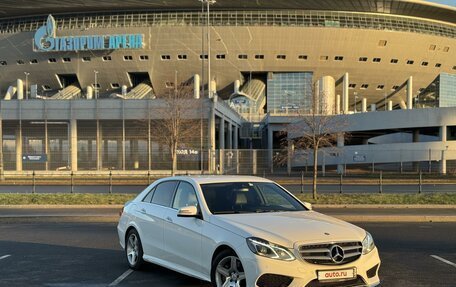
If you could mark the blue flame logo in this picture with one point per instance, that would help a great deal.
(44, 36)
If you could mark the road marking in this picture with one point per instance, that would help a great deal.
(443, 260)
(121, 277)
(4, 256)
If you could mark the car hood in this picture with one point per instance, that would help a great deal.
(290, 228)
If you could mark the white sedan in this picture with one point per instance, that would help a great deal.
(243, 231)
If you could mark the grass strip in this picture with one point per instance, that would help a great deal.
(111, 199)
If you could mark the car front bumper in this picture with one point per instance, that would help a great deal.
(304, 274)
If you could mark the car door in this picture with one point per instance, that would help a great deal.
(183, 234)
(152, 218)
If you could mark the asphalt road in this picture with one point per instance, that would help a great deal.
(88, 254)
(296, 188)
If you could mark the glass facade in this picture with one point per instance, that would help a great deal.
(289, 92)
(440, 93)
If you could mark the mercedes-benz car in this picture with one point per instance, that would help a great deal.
(243, 231)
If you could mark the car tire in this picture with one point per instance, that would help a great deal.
(227, 266)
(133, 250)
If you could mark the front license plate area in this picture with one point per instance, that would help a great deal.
(329, 275)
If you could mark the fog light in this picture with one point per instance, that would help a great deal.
(372, 272)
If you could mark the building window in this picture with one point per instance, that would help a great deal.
(394, 61)
(281, 57)
(362, 59)
(454, 67)
(424, 63)
(242, 57)
(364, 86)
(182, 57)
(169, 85)
(107, 58)
(115, 85)
(324, 58)
(380, 87)
(45, 87)
(302, 57)
(438, 65)
(52, 60)
(20, 62)
(165, 57)
(446, 49)
(218, 56)
(3, 63)
(382, 43)
(33, 61)
(144, 58)
(128, 58)
(410, 62)
(86, 59)
(351, 86)
(259, 57)
(395, 88)
(203, 57)
(377, 60)
(66, 60)
(338, 58)
(432, 47)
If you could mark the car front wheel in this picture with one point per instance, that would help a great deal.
(227, 270)
(133, 250)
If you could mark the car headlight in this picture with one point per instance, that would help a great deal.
(368, 243)
(267, 249)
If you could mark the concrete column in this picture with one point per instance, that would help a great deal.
(99, 142)
(89, 92)
(337, 104)
(270, 147)
(364, 105)
(74, 144)
(345, 92)
(235, 137)
(196, 86)
(222, 133)
(443, 138)
(403, 105)
(230, 136)
(409, 93)
(390, 105)
(340, 145)
(373, 107)
(20, 89)
(211, 135)
(19, 148)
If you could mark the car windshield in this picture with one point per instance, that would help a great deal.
(248, 197)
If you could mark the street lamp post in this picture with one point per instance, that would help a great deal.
(96, 84)
(26, 84)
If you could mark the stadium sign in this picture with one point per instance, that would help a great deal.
(45, 40)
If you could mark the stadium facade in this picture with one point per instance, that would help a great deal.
(80, 80)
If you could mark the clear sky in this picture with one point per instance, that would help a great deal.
(447, 2)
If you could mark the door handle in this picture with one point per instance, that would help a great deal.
(142, 210)
(169, 219)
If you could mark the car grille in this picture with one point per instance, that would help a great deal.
(321, 253)
(358, 282)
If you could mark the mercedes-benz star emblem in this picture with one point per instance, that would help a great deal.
(337, 254)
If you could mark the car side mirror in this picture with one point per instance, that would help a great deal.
(308, 205)
(188, 211)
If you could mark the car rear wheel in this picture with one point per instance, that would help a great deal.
(133, 250)
(227, 270)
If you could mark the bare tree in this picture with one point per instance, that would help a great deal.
(177, 120)
(316, 129)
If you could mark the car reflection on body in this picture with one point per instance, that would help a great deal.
(243, 232)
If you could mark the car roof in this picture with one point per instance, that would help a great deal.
(202, 179)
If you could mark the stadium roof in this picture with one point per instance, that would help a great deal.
(414, 8)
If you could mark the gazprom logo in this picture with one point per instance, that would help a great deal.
(45, 40)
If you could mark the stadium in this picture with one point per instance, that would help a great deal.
(80, 82)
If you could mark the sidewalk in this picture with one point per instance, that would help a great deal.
(351, 213)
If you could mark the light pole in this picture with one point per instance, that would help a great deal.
(26, 84)
(96, 84)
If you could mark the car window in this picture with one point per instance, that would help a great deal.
(185, 196)
(164, 193)
(148, 197)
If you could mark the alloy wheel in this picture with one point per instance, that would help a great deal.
(230, 273)
(132, 249)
